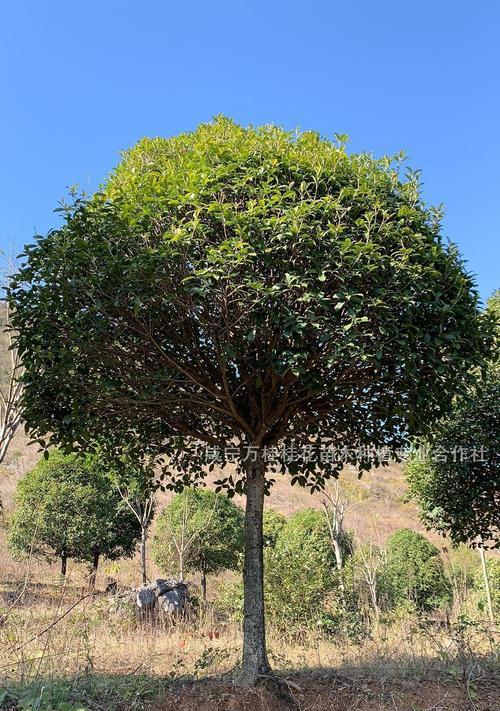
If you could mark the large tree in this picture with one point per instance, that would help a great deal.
(245, 288)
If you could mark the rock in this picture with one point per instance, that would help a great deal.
(170, 593)
(145, 598)
(174, 601)
(162, 586)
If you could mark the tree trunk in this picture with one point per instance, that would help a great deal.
(64, 562)
(204, 586)
(338, 554)
(255, 663)
(93, 571)
(376, 608)
(143, 556)
(339, 562)
(487, 586)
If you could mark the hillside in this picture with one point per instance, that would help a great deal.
(377, 508)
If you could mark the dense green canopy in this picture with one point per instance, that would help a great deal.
(68, 507)
(244, 285)
(458, 483)
(413, 572)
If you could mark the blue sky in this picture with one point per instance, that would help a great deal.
(82, 81)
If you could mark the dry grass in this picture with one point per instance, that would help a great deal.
(116, 662)
(51, 629)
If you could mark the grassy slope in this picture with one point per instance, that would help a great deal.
(378, 507)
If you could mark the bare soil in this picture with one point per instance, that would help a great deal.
(331, 692)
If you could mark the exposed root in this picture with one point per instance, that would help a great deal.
(270, 685)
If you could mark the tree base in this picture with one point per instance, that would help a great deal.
(268, 683)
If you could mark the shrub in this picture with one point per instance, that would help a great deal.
(300, 571)
(413, 572)
(273, 524)
(347, 622)
(67, 507)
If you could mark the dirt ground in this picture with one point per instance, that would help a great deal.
(320, 692)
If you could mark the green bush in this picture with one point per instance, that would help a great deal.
(299, 572)
(413, 572)
(493, 567)
(229, 599)
(67, 507)
(347, 622)
(273, 525)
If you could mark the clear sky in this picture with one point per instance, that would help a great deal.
(82, 81)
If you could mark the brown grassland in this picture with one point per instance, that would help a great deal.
(53, 629)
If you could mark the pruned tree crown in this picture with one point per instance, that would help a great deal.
(245, 286)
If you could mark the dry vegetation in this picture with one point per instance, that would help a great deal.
(52, 629)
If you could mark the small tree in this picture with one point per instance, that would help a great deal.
(246, 288)
(335, 500)
(135, 482)
(367, 563)
(67, 507)
(200, 531)
(413, 572)
(458, 484)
